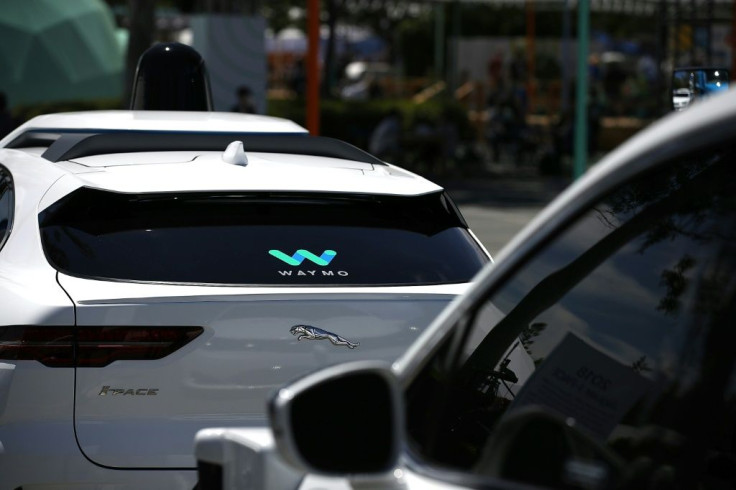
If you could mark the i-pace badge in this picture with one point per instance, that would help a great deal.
(305, 332)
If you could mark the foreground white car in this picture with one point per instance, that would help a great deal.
(157, 278)
(598, 352)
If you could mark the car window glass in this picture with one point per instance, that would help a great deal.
(261, 238)
(6, 206)
(623, 327)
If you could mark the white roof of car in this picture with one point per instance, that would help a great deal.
(192, 170)
(159, 121)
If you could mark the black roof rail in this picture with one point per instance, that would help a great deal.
(70, 144)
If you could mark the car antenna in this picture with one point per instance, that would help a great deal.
(235, 154)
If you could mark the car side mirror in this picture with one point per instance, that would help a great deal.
(691, 84)
(342, 420)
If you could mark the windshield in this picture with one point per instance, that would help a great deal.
(621, 327)
(260, 238)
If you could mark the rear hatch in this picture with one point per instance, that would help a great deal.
(145, 412)
(190, 306)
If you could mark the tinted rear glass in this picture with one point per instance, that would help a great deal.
(260, 238)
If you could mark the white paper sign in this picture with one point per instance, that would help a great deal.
(577, 380)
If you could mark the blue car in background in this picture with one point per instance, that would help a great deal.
(691, 84)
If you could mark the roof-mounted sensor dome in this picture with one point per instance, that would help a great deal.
(171, 77)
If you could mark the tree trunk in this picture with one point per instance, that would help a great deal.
(141, 37)
(333, 8)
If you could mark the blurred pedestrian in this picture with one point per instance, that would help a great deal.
(245, 101)
(385, 141)
(449, 137)
(298, 79)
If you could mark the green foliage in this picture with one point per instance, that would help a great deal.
(277, 17)
(413, 33)
(353, 121)
(492, 21)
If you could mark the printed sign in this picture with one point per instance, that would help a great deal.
(580, 381)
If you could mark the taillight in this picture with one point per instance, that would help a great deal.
(91, 346)
(51, 346)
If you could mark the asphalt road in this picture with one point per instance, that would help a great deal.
(496, 209)
(496, 226)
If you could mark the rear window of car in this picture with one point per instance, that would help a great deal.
(260, 238)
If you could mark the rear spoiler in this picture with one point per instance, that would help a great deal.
(64, 145)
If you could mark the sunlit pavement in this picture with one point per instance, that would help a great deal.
(497, 207)
(495, 226)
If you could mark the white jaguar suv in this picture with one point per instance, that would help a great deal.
(162, 272)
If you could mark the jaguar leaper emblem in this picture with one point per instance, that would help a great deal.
(305, 332)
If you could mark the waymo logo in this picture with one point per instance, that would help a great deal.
(302, 254)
